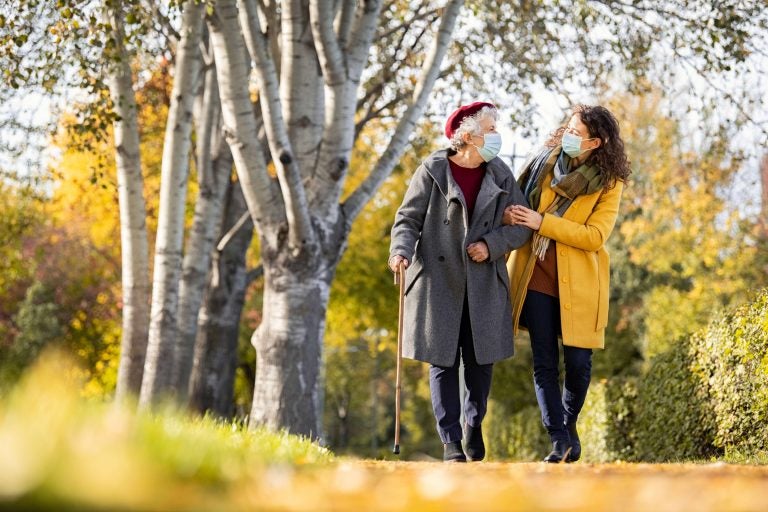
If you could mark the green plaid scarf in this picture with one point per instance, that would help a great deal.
(568, 185)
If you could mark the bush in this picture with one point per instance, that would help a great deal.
(674, 419)
(733, 357)
(708, 394)
(607, 420)
(519, 436)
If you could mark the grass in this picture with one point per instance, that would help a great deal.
(62, 452)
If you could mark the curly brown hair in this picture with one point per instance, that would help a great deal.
(610, 156)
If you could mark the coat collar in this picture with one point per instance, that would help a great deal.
(496, 172)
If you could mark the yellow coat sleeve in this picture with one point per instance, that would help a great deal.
(592, 234)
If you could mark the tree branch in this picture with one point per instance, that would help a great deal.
(301, 84)
(430, 71)
(374, 113)
(406, 24)
(390, 69)
(332, 61)
(344, 22)
(261, 193)
(361, 37)
(288, 173)
(232, 231)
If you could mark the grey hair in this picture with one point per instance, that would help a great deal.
(471, 125)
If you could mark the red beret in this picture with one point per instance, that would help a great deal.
(455, 119)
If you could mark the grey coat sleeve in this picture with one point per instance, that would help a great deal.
(409, 218)
(504, 239)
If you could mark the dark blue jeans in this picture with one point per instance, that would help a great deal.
(541, 314)
(444, 387)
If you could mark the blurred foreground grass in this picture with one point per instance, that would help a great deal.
(58, 452)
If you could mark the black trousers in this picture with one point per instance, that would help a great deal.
(541, 314)
(445, 392)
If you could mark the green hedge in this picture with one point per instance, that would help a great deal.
(705, 397)
(606, 424)
(708, 395)
(733, 357)
(673, 413)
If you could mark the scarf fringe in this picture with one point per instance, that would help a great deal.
(540, 245)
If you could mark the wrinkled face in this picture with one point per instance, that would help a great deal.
(576, 127)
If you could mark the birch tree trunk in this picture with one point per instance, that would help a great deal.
(158, 368)
(215, 361)
(304, 235)
(133, 214)
(214, 167)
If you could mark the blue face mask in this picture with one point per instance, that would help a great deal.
(572, 145)
(491, 146)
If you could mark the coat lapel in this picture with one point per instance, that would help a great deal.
(488, 193)
(441, 173)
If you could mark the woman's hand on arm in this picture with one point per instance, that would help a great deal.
(520, 215)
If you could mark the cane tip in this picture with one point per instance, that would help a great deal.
(396, 449)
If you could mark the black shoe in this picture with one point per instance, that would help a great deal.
(575, 443)
(452, 452)
(474, 446)
(559, 453)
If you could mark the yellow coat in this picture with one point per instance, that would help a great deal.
(583, 264)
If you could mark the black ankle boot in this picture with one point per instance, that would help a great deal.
(474, 445)
(575, 443)
(452, 452)
(560, 451)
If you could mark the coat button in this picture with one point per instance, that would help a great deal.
(567, 306)
(446, 222)
(441, 258)
(562, 252)
(485, 223)
(565, 279)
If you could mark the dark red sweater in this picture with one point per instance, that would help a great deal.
(469, 181)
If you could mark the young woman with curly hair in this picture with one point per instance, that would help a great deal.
(559, 279)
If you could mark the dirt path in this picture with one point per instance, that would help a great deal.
(424, 486)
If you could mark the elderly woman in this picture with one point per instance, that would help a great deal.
(560, 279)
(449, 234)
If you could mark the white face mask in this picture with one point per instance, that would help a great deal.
(491, 146)
(572, 145)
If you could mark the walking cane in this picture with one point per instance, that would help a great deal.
(399, 279)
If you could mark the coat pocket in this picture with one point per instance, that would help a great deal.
(412, 274)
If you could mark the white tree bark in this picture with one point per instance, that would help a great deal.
(260, 190)
(301, 85)
(214, 169)
(298, 270)
(133, 214)
(341, 74)
(299, 228)
(158, 368)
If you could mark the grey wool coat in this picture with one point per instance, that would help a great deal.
(432, 231)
